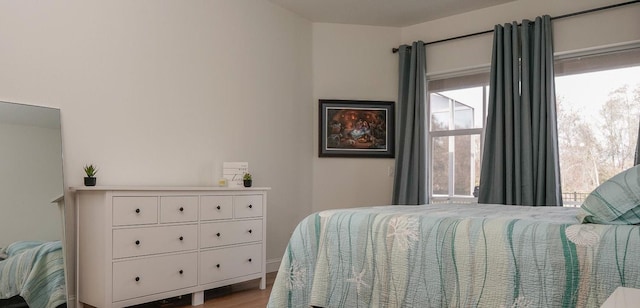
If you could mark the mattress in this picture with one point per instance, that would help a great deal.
(450, 255)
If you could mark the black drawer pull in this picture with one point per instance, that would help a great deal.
(250, 206)
(218, 234)
(138, 243)
(180, 272)
(137, 211)
(218, 207)
(249, 259)
(218, 265)
(250, 231)
(181, 238)
(137, 278)
(181, 209)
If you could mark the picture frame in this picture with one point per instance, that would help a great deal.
(356, 128)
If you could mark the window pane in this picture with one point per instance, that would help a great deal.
(440, 112)
(468, 106)
(463, 116)
(466, 164)
(440, 165)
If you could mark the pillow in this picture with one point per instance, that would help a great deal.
(616, 201)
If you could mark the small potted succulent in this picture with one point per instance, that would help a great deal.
(247, 179)
(90, 170)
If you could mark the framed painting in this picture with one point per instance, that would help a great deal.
(354, 128)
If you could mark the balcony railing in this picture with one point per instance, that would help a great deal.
(572, 199)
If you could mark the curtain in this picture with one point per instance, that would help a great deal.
(520, 162)
(410, 184)
(636, 158)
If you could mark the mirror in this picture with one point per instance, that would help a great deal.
(31, 222)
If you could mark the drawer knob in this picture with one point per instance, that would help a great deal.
(218, 207)
(218, 265)
(218, 234)
(250, 206)
(250, 231)
(181, 238)
(137, 278)
(180, 272)
(249, 259)
(138, 242)
(181, 209)
(137, 211)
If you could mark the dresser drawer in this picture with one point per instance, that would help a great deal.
(143, 277)
(178, 209)
(227, 233)
(135, 210)
(247, 206)
(216, 207)
(146, 241)
(221, 264)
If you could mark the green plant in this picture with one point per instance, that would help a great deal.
(247, 177)
(90, 170)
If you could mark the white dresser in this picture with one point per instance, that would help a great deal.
(140, 244)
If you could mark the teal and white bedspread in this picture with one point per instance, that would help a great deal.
(455, 256)
(35, 271)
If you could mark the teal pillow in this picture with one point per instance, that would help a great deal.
(616, 201)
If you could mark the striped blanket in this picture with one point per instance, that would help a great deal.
(455, 256)
(35, 271)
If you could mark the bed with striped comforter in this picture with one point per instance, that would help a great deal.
(35, 271)
(455, 256)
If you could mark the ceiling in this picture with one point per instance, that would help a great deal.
(389, 13)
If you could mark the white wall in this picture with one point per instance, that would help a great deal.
(30, 179)
(352, 62)
(162, 92)
(609, 27)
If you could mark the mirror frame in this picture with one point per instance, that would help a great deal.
(12, 113)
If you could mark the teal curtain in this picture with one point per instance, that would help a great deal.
(410, 184)
(520, 162)
(636, 158)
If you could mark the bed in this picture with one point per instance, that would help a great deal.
(32, 271)
(451, 255)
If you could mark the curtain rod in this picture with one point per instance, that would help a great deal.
(394, 50)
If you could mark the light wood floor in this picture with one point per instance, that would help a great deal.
(242, 295)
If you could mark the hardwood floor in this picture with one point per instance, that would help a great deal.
(242, 295)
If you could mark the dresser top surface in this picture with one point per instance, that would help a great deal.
(166, 188)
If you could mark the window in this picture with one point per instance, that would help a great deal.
(457, 109)
(598, 105)
(598, 99)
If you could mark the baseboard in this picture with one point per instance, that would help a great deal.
(273, 265)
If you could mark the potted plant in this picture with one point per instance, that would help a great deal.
(90, 179)
(247, 180)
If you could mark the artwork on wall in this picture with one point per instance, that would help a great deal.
(356, 128)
